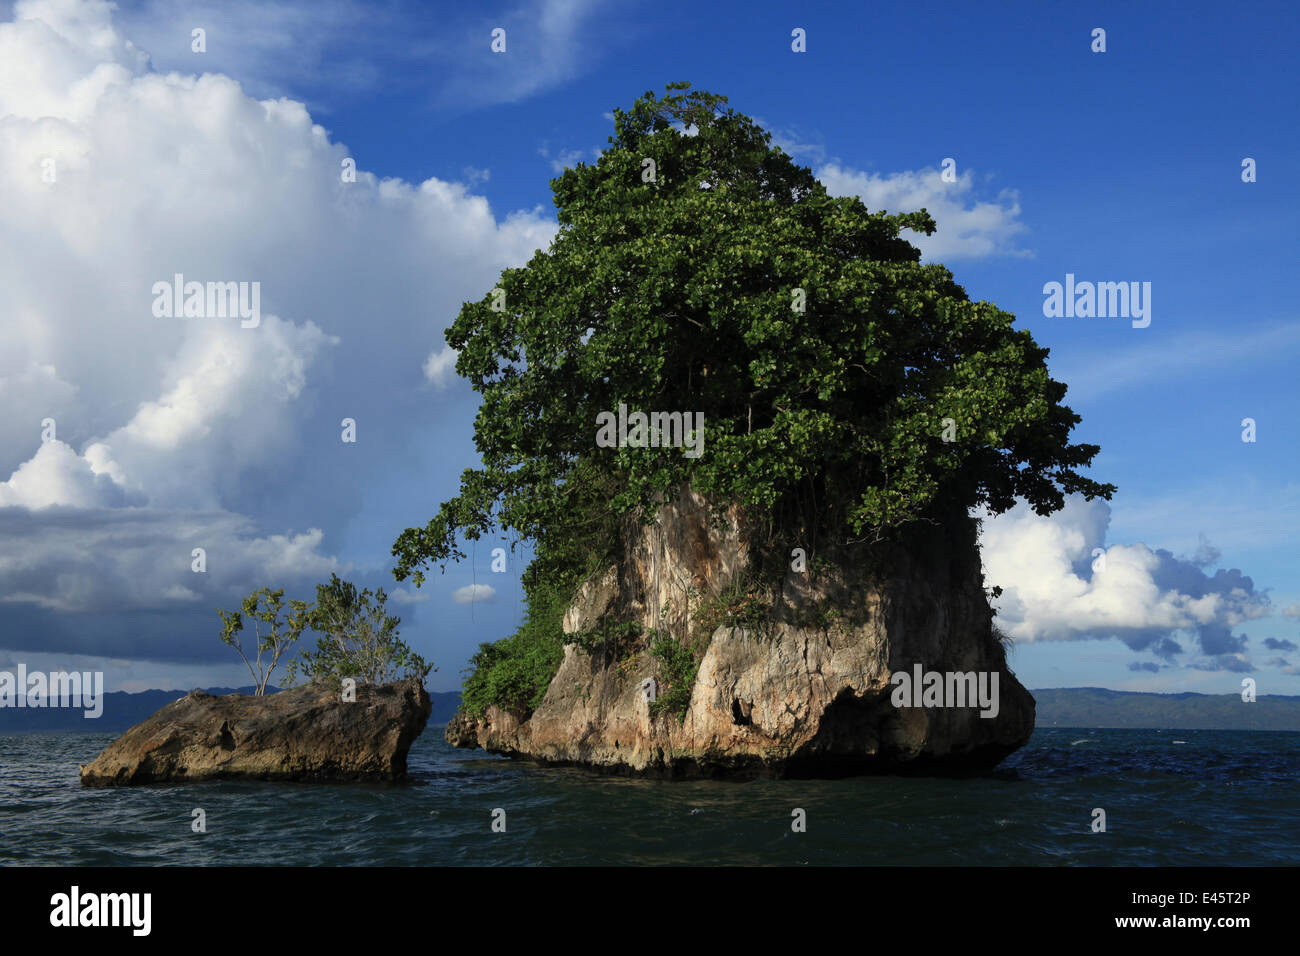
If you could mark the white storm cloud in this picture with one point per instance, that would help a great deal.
(175, 433)
(57, 475)
(1060, 581)
(120, 559)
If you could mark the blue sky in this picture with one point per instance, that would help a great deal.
(1115, 166)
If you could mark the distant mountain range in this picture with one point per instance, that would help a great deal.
(1098, 707)
(1083, 707)
(123, 711)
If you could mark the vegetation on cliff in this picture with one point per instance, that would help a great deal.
(514, 673)
(847, 390)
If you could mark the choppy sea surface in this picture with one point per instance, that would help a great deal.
(1174, 798)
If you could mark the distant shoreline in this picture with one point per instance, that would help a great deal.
(1082, 708)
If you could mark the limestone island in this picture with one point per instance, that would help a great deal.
(801, 687)
(308, 733)
(748, 436)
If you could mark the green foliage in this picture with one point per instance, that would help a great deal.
(743, 604)
(359, 639)
(826, 617)
(677, 295)
(263, 608)
(677, 669)
(824, 424)
(514, 673)
(612, 640)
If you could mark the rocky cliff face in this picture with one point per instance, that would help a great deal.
(807, 692)
(307, 733)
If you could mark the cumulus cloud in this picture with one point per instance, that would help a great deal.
(440, 367)
(968, 227)
(1062, 582)
(182, 433)
(57, 475)
(403, 596)
(1279, 644)
(473, 594)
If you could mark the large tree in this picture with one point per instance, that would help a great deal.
(676, 285)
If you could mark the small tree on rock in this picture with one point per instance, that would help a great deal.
(263, 608)
(359, 639)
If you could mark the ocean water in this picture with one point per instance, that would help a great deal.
(1174, 798)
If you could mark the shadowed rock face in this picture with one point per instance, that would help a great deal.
(307, 733)
(807, 694)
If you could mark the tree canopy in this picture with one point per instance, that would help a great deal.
(358, 639)
(722, 278)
